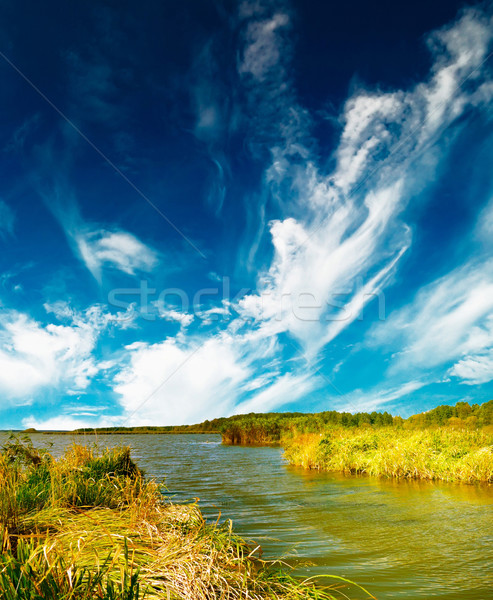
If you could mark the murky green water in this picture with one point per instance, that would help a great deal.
(399, 539)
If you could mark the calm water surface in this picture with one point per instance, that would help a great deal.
(399, 539)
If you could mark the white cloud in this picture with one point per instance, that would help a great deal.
(263, 46)
(475, 369)
(96, 316)
(345, 247)
(7, 220)
(449, 319)
(185, 319)
(97, 247)
(34, 356)
(60, 423)
(377, 399)
(476, 365)
(69, 422)
(188, 380)
(285, 389)
(160, 309)
(484, 226)
(214, 314)
(117, 249)
(172, 384)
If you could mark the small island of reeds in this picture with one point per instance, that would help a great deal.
(89, 525)
(448, 443)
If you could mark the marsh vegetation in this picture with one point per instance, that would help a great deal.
(441, 454)
(448, 443)
(89, 525)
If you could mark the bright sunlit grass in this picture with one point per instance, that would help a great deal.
(443, 453)
(90, 526)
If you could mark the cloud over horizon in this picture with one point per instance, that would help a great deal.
(310, 237)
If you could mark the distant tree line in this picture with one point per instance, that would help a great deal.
(460, 415)
(271, 427)
(268, 427)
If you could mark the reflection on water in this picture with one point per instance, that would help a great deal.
(406, 539)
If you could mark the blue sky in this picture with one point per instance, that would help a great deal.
(210, 208)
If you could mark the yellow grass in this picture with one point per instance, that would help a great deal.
(444, 454)
(121, 528)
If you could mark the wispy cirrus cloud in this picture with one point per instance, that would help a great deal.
(385, 131)
(341, 238)
(390, 148)
(263, 51)
(117, 249)
(97, 247)
(18, 139)
(332, 231)
(449, 321)
(274, 120)
(378, 398)
(484, 226)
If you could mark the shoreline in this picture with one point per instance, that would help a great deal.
(90, 525)
(96, 432)
(438, 454)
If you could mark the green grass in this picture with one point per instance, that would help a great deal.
(31, 574)
(271, 428)
(89, 525)
(448, 443)
(443, 453)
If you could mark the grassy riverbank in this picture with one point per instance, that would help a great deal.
(275, 428)
(440, 454)
(448, 443)
(90, 526)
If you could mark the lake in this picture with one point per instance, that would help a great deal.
(403, 539)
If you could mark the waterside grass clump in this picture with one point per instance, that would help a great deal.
(89, 525)
(443, 453)
(448, 443)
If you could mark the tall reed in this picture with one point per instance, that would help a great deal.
(89, 525)
(435, 454)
